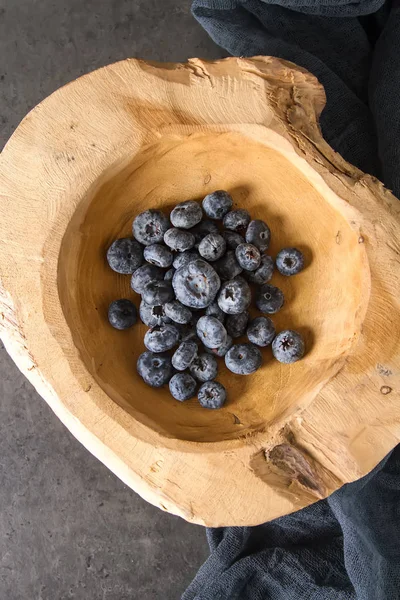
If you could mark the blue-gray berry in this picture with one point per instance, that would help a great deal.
(149, 227)
(264, 271)
(169, 274)
(258, 234)
(196, 285)
(232, 239)
(157, 293)
(184, 355)
(261, 331)
(243, 359)
(182, 386)
(213, 310)
(152, 315)
(212, 394)
(159, 255)
(144, 275)
(228, 267)
(289, 261)
(223, 348)
(211, 331)
(184, 258)
(161, 338)
(237, 220)
(269, 299)
(212, 247)
(125, 256)
(177, 312)
(204, 367)
(234, 296)
(288, 346)
(236, 324)
(248, 256)
(217, 204)
(122, 314)
(155, 369)
(202, 229)
(186, 214)
(179, 239)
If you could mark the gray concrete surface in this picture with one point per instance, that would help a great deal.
(69, 529)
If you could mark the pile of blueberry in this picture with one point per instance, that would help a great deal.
(195, 276)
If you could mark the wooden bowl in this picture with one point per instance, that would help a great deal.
(136, 135)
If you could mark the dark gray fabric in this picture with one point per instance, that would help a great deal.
(348, 546)
(361, 76)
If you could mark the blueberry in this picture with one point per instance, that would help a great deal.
(177, 312)
(169, 275)
(217, 204)
(178, 239)
(182, 386)
(213, 310)
(144, 275)
(152, 315)
(261, 331)
(234, 296)
(212, 246)
(202, 229)
(289, 261)
(159, 255)
(223, 348)
(149, 227)
(212, 394)
(243, 359)
(186, 214)
(122, 314)
(184, 258)
(157, 293)
(204, 367)
(288, 346)
(161, 338)
(125, 256)
(264, 271)
(258, 233)
(184, 355)
(269, 299)
(155, 369)
(248, 256)
(236, 324)
(228, 267)
(196, 285)
(211, 332)
(232, 239)
(237, 220)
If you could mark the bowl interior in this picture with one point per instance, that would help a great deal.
(322, 302)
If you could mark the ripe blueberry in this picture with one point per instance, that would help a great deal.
(289, 261)
(248, 256)
(184, 355)
(211, 332)
(234, 296)
(288, 346)
(125, 256)
(258, 234)
(157, 293)
(243, 359)
(212, 395)
(237, 220)
(204, 367)
(264, 271)
(179, 239)
(261, 331)
(202, 229)
(144, 275)
(196, 285)
(184, 258)
(182, 386)
(155, 369)
(212, 246)
(159, 255)
(177, 312)
(232, 239)
(269, 299)
(223, 348)
(122, 314)
(152, 315)
(149, 227)
(186, 214)
(217, 204)
(161, 338)
(236, 324)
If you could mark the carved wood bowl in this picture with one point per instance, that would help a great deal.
(136, 135)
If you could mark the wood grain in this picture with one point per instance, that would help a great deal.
(136, 135)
